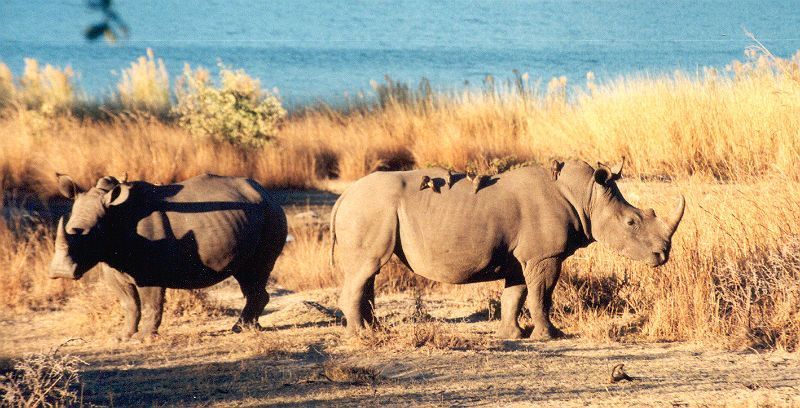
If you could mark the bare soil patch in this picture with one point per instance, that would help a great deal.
(302, 358)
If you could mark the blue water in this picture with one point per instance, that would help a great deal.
(321, 49)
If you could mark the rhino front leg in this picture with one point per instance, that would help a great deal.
(128, 299)
(541, 278)
(151, 299)
(510, 306)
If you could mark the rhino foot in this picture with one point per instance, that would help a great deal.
(544, 333)
(240, 327)
(510, 333)
(144, 337)
(123, 336)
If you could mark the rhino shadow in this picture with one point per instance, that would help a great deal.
(164, 257)
(158, 260)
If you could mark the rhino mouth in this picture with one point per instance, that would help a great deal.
(65, 268)
(63, 272)
(658, 258)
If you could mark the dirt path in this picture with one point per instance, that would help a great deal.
(304, 360)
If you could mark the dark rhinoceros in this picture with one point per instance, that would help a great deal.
(518, 226)
(187, 235)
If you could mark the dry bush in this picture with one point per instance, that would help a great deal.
(305, 262)
(42, 380)
(347, 373)
(759, 297)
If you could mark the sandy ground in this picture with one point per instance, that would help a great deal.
(198, 362)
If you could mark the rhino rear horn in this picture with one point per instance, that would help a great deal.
(118, 195)
(676, 216)
(616, 171)
(555, 169)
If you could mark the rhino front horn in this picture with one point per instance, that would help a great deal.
(61, 237)
(676, 216)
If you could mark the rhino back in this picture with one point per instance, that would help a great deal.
(457, 235)
(197, 232)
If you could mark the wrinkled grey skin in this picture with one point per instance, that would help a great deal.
(187, 235)
(519, 226)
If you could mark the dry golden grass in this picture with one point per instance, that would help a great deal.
(735, 127)
(24, 260)
(144, 148)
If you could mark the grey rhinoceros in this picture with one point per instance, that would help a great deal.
(187, 235)
(518, 226)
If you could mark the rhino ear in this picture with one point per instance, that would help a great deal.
(67, 187)
(604, 174)
(118, 195)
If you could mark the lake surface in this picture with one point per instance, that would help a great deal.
(321, 49)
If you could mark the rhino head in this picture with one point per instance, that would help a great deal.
(80, 241)
(637, 234)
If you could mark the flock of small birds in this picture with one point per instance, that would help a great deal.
(477, 181)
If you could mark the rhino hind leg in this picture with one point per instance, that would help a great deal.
(511, 302)
(357, 299)
(151, 299)
(128, 298)
(541, 278)
(254, 274)
(254, 290)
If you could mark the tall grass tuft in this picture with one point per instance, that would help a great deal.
(49, 90)
(7, 91)
(144, 86)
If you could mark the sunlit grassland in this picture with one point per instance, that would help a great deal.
(729, 141)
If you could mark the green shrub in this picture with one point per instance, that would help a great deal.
(238, 111)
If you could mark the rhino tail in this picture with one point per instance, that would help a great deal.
(333, 229)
